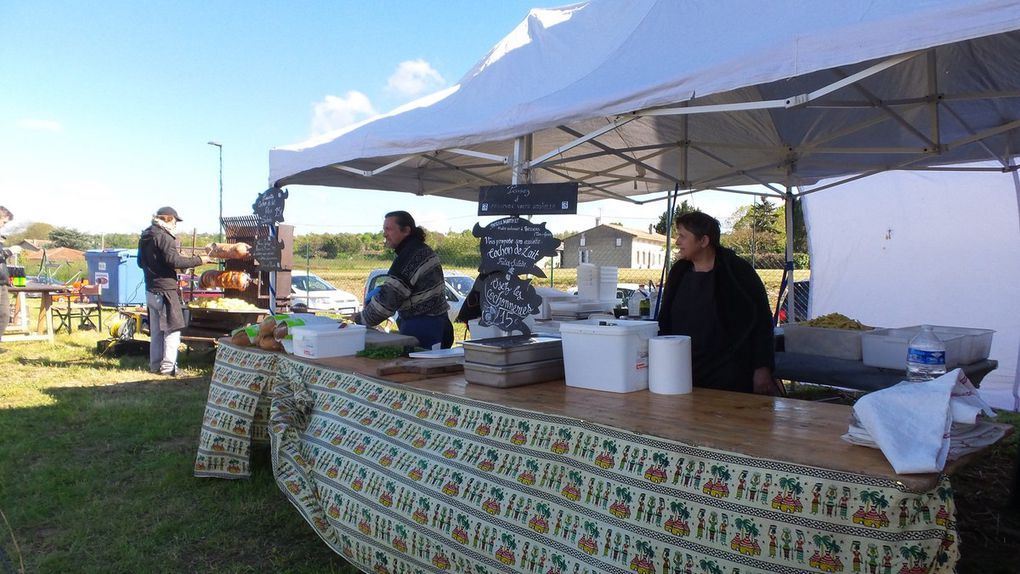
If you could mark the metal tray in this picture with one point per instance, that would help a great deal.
(514, 375)
(513, 350)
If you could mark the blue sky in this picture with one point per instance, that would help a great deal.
(106, 107)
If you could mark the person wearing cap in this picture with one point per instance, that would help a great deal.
(159, 256)
(5, 276)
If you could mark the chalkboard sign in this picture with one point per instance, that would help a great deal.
(268, 252)
(268, 207)
(506, 301)
(514, 245)
(528, 199)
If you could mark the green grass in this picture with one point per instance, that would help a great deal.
(95, 473)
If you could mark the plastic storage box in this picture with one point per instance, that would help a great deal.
(887, 348)
(607, 355)
(118, 272)
(823, 341)
(316, 344)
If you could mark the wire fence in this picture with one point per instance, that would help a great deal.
(350, 272)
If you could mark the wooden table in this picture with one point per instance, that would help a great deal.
(44, 326)
(437, 473)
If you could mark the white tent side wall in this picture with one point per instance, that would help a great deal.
(906, 248)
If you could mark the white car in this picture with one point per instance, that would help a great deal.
(457, 287)
(317, 294)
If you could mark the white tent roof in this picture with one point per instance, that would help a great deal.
(634, 97)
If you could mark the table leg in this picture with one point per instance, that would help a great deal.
(46, 316)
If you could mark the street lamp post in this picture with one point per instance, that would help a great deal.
(220, 224)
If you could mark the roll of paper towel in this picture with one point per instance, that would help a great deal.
(669, 364)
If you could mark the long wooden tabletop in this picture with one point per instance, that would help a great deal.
(783, 429)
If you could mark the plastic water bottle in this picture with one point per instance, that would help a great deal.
(634, 304)
(926, 356)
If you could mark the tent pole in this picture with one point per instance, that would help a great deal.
(791, 316)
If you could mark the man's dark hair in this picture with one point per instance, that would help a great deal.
(404, 219)
(701, 225)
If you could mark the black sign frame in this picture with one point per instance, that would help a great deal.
(528, 199)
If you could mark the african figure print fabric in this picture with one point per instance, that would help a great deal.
(236, 413)
(400, 480)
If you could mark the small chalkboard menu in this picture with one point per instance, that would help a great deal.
(268, 207)
(510, 247)
(528, 199)
(506, 301)
(514, 245)
(268, 253)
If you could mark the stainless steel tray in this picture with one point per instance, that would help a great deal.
(512, 350)
(514, 375)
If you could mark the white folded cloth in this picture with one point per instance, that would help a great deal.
(912, 423)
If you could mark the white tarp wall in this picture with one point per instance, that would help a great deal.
(906, 248)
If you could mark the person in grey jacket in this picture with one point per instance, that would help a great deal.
(5, 277)
(415, 286)
(159, 256)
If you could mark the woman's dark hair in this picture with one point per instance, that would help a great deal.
(404, 219)
(700, 225)
(4, 212)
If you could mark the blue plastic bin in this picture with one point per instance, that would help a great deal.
(118, 271)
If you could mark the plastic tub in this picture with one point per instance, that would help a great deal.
(316, 344)
(607, 355)
(887, 348)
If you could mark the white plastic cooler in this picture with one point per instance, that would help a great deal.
(607, 355)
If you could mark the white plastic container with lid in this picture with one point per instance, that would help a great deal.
(316, 344)
(607, 355)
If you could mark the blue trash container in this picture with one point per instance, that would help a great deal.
(118, 271)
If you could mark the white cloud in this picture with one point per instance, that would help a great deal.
(335, 112)
(414, 78)
(40, 125)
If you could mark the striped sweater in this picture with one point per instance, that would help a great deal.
(415, 285)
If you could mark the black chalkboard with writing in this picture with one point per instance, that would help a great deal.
(268, 207)
(268, 252)
(528, 199)
(514, 245)
(506, 301)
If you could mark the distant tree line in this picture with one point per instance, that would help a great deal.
(757, 232)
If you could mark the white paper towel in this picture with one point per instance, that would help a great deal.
(669, 364)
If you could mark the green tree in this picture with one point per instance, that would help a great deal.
(72, 238)
(33, 230)
(665, 220)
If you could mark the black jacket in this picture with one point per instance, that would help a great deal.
(159, 257)
(742, 307)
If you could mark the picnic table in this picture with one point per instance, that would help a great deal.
(435, 473)
(44, 325)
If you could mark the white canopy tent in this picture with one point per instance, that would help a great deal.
(634, 98)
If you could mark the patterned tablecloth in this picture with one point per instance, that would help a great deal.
(401, 480)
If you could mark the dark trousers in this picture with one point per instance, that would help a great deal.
(5, 309)
(430, 330)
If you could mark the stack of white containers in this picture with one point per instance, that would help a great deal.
(587, 282)
(608, 278)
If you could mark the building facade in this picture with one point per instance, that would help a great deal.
(616, 246)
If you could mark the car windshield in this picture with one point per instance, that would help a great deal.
(310, 283)
(462, 284)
